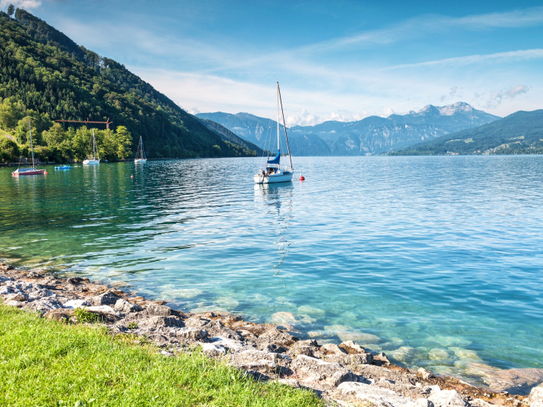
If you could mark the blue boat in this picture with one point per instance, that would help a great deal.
(63, 167)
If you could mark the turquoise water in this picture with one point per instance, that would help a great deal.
(437, 261)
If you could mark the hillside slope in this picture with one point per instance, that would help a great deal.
(518, 133)
(48, 73)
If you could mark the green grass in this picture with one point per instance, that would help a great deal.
(47, 363)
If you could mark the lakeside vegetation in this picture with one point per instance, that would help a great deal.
(47, 363)
(518, 133)
(45, 76)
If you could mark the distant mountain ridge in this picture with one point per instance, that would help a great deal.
(372, 135)
(518, 133)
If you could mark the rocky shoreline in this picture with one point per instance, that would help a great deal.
(342, 374)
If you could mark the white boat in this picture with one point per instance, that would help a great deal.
(140, 154)
(273, 172)
(32, 170)
(95, 160)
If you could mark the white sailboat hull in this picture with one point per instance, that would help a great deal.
(273, 178)
(140, 160)
(91, 162)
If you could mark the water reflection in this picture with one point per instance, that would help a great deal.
(278, 201)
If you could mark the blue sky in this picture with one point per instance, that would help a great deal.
(340, 60)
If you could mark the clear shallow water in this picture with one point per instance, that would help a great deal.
(435, 260)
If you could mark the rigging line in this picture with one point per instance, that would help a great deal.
(284, 125)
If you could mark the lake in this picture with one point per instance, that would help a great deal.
(437, 261)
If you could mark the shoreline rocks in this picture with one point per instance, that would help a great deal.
(343, 373)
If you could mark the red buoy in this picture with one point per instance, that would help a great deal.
(45, 172)
(131, 176)
(301, 177)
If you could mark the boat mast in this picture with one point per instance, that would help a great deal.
(278, 96)
(284, 126)
(31, 147)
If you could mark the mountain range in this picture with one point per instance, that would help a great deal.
(372, 135)
(518, 133)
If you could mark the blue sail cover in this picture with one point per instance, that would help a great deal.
(276, 159)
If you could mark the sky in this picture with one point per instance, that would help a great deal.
(335, 60)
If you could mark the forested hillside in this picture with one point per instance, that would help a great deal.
(519, 133)
(45, 76)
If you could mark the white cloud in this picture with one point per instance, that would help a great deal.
(496, 98)
(25, 4)
(516, 90)
(475, 59)
(422, 25)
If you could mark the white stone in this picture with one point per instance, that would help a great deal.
(212, 349)
(76, 304)
(447, 398)
(15, 303)
(102, 309)
(536, 396)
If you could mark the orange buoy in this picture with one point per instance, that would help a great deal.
(45, 172)
(131, 176)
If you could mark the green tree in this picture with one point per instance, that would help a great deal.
(54, 136)
(9, 150)
(38, 122)
(123, 139)
(11, 10)
(10, 113)
(81, 143)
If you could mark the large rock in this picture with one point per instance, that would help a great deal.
(125, 307)
(254, 360)
(351, 348)
(60, 315)
(161, 322)
(190, 334)
(21, 297)
(316, 369)
(275, 336)
(158, 310)
(376, 396)
(332, 349)
(44, 304)
(308, 347)
(536, 396)
(107, 298)
(447, 398)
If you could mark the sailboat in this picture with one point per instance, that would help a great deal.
(32, 170)
(140, 154)
(272, 171)
(95, 160)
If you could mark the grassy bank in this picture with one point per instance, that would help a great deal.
(46, 363)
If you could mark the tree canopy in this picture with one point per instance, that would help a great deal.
(45, 76)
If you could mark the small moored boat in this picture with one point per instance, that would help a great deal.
(94, 160)
(272, 172)
(32, 170)
(140, 154)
